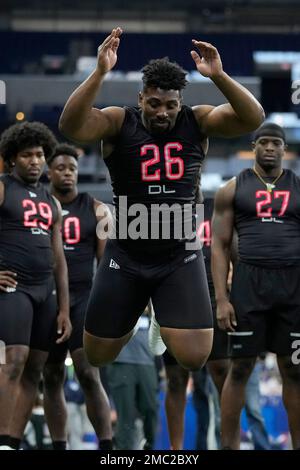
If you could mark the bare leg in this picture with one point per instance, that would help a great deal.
(290, 374)
(102, 351)
(190, 348)
(97, 403)
(54, 401)
(233, 400)
(218, 370)
(177, 379)
(10, 376)
(27, 391)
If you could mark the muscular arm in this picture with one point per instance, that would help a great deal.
(242, 114)
(79, 120)
(61, 280)
(222, 233)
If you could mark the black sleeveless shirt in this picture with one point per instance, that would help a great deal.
(268, 223)
(153, 170)
(80, 240)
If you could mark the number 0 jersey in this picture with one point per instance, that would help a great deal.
(153, 170)
(79, 238)
(27, 216)
(268, 223)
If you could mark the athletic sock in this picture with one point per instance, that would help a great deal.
(105, 444)
(4, 440)
(15, 443)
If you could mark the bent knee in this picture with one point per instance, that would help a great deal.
(101, 351)
(54, 375)
(193, 362)
(241, 369)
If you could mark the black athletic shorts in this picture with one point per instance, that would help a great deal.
(267, 307)
(78, 303)
(29, 319)
(123, 286)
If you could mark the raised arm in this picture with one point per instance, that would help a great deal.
(81, 122)
(222, 233)
(241, 115)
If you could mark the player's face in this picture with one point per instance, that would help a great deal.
(269, 152)
(159, 109)
(63, 173)
(29, 164)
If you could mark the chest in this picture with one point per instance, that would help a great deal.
(260, 200)
(29, 207)
(78, 225)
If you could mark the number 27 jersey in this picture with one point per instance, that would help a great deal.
(268, 223)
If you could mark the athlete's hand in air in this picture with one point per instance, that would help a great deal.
(208, 61)
(225, 316)
(107, 51)
(8, 279)
(64, 327)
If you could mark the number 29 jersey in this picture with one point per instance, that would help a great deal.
(268, 223)
(27, 216)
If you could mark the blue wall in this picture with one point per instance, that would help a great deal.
(136, 49)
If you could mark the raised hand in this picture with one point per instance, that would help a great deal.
(208, 62)
(107, 51)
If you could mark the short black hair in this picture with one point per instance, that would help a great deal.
(26, 135)
(271, 129)
(161, 73)
(63, 149)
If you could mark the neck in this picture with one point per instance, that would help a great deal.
(26, 183)
(272, 172)
(64, 198)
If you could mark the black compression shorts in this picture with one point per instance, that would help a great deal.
(123, 286)
(29, 319)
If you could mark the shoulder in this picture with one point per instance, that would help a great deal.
(201, 111)
(191, 116)
(115, 115)
(57, 205)
(225, 195)
(127, 121)
(6, 181)
(291, 174)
